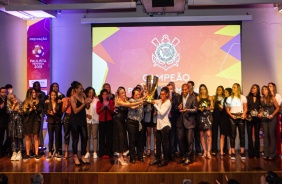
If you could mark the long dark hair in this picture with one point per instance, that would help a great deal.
(269, 95)
(250, 95)
(51, 87)
(200, 95)
(86, 91)
(216, 95)
(274, 88)
(101, 94)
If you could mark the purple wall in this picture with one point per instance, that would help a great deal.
(71, 54)
(13, 53)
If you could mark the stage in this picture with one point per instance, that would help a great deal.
(107, 171)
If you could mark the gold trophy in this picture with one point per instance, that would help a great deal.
(151, 87)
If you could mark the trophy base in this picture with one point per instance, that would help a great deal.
(148, 100)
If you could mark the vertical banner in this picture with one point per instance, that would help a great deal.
(38, 53)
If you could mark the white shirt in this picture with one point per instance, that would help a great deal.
(92, 112)
(236, 104)
(162, 114)
(184, 101)
(278, 99)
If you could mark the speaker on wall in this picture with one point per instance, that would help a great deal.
(162, 3)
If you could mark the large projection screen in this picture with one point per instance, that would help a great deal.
(205, 54)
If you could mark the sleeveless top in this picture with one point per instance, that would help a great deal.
(204, 117)
(253, 105)
(268, 109)
(120, 112)
(80, 117)
(217, 102)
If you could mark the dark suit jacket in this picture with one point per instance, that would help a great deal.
(56, 118)
(174, 107)
(38, 111)
(4, 117)
(188, 118)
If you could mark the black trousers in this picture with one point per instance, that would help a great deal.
(241, 127)
(67, 129)
(197, 140)
(106, 138)
(172, 138)
(186, 142)
(57, 129)
(215, 125)
(2, 134)
(76, 131)
(5, 147)
(135, 139)
(253, 146)
(162, 141)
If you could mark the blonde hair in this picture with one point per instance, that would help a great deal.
(238, 91)
(17, 106)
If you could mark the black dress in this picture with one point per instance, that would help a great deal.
(78, 128)
(120, 135)
(205, 116)
(224, 125)
(32, 120)
(80, 117)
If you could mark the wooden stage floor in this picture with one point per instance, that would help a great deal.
(106, 171)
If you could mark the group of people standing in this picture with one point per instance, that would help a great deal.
(115, 123)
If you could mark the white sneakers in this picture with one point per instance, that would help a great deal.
(19, 155)
(87, 155)
(95, 155)
(16, 156)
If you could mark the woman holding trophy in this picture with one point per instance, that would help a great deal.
(268, 114)
(205, 119)
(120, 135)
(163, 107)
(237, 110)
(253, 122)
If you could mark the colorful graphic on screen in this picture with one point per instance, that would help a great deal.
(206, 54)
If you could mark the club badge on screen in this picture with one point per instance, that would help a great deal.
(166, 55)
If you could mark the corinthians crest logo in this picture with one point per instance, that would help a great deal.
(165, 55)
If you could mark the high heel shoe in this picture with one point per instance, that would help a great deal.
(209, 155)
(123, 163)
(221, 155)
(66, 156)
(83, 161)
(204, 154)
(76, 161)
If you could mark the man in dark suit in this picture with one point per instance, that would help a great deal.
(196, 130)
(186, 122)
(174, 98)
